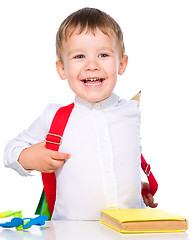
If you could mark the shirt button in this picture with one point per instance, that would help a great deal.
(97, 105)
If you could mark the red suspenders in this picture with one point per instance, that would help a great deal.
(151, 179)
(53, 141)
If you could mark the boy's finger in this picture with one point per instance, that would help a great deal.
(41, 144)
(58, 163)
(48, 171)
(54, 164)
(146, 186)
(154, 205)
(60, 156)
(150, 199)
(146, 201)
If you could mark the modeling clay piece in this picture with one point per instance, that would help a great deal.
(18, 214)
(6, 214)
(11, 213)
(39, 221)
(15, 222)
(21, 223)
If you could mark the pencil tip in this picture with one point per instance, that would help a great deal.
(137, 97)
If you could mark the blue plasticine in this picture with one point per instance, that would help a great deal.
(39, 221)
(15, 222)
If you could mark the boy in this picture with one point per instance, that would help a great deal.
(102, 137)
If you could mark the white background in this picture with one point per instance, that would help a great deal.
(160, 40)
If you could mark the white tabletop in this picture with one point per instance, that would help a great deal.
(84, 230)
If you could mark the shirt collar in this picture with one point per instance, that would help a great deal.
(106, 103)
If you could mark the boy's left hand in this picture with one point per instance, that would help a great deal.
(148, 199)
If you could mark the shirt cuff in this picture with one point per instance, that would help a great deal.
(23, 172)
(17, 166)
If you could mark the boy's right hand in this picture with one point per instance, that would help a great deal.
(38, 157)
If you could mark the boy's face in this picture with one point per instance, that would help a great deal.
(91, 64)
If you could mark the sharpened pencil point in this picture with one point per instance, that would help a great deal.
(137, 97)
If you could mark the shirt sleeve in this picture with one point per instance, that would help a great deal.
(34, 134)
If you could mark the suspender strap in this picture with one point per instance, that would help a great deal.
(151, 179)
(53, 142)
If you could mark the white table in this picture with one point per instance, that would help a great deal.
(86, 230)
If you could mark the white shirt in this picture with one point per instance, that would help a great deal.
(103, 140)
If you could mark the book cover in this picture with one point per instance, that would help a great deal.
(143, 220)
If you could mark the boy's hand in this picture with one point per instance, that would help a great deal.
(38, 157)
(148, 199)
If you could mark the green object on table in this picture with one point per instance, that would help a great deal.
(6, 214)
(42, 208)
(11, 213)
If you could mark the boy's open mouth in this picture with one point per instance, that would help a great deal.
(93, 81)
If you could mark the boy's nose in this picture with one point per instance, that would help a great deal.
(92, 65)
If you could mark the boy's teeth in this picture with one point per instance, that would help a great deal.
(92, 79)
(93, 83)
(96, 81)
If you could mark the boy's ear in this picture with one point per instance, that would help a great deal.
(60, 69)
(123, 65)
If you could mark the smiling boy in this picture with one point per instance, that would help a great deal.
(91, 63)
(102, 137)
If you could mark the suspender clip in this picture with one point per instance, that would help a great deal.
(147, 170)
(53, 138)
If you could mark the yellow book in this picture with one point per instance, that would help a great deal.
(143, 220)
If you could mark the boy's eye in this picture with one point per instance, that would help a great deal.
(79, 56)
(103, 55)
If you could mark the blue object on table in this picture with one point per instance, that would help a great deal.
(15, 222)
(39, 221)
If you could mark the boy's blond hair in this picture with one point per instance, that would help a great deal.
(88, 19)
